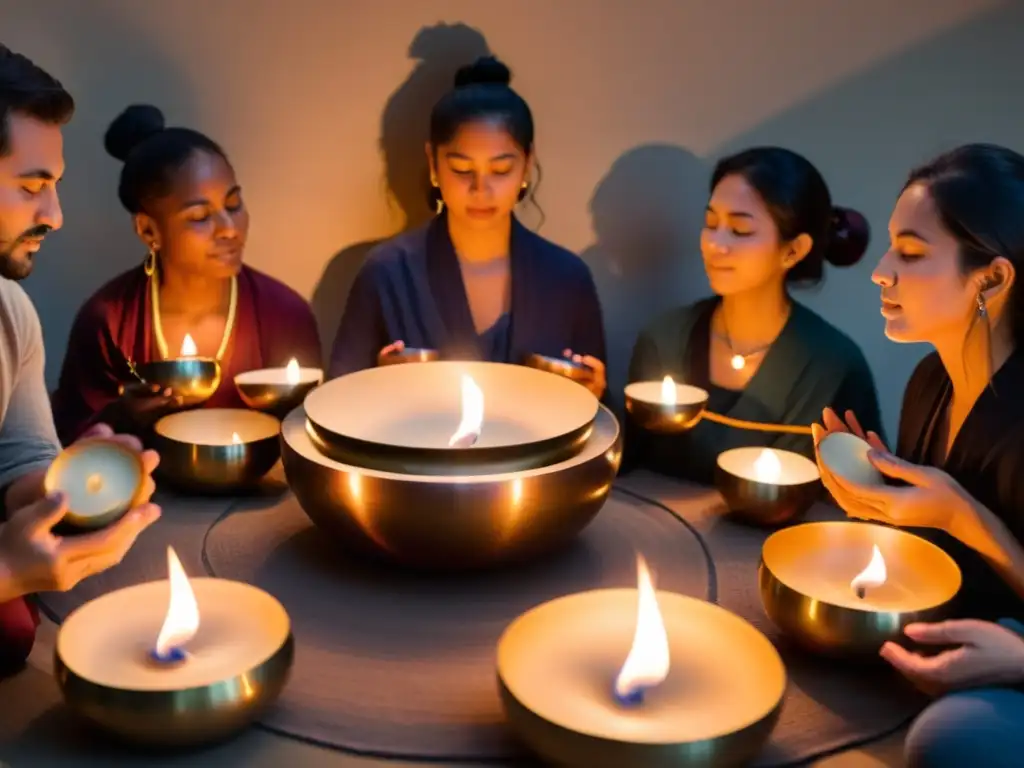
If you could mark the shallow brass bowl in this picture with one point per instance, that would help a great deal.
(409, 355)
(664, 418)
(277, 398)
(195, 467)
(192, 379)
(452, 522)
(561, 366)
(761, 503)
(798, 563)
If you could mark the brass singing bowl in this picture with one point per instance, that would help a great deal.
(186, 718)
(400, 419)
(260, 392)
(453, 522)
(766, 504)
(561, 366)
(547, 705)
(651, 415)
(409, 355)
(798, 562)
(191, 379)
(197, 455)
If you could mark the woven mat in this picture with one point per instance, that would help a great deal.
(398, 664)
(829, 706)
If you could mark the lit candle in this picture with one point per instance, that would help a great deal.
(188, 347)
(816, 588)
(665, 406)
(126, 659)
(278, 390)
(192, 379)
(766, 486)
(471, 423)
(215, 449)
(697, 679)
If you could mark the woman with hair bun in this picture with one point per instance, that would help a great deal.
(187, 208)
(769, 223)
(474, 283)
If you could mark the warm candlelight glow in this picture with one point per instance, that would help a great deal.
(668, 391)
(182, 620)
(872, 576)
(767, 467)
(737, 362)
(472, 415)
(235, 439)
(291, 372)
(647, 664)
(188, 347)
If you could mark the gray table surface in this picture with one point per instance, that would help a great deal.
(36, 731)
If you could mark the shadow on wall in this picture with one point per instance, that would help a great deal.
(97, 241)
(405, 123)
(646, 214)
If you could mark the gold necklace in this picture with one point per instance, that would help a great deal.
(158, 329)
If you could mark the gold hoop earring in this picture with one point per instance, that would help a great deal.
(982, 308)
(149, 265)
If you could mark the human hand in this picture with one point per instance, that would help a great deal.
(392, 348)
(988, 654)
(598, 381)
(831, 422)
(141, 405)
(34, 559)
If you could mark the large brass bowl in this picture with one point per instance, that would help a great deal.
(192, 379)
(805, 580)
(198, 455)
(451, 522)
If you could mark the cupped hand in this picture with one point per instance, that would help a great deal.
(987, 654)
(391, 349)
(37, 560)
(843, 495)
(142, 405)
(598, 380)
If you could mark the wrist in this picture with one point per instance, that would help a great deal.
(9, 587)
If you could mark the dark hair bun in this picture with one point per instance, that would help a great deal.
(129, 129)
(486, 70)
(850, 235)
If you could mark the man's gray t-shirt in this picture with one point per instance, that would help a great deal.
(28, 438)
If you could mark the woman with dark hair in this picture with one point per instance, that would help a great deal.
(187, 208)
(761, 356)
(474, 283)
(949, 279)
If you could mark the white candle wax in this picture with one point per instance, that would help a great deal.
(280, 377)
(218, 426)
(653, 392)
(769, 465)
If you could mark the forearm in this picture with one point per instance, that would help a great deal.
(25, 490)
(10, 589)
(987, 535)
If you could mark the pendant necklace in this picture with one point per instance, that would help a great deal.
(737, 360)
(158, 329)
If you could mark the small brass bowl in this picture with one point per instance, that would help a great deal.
(102, 480)
(646, 408)
(806, 574)
(779, 493)
(231, 672)
(192, 379)
(409, 355)
(198, 452)
(562, 366)
(268, 389)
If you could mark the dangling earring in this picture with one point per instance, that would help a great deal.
(523, 190)
(982, 308)
(439, 203)
(149, 265)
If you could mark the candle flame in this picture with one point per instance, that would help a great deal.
(182, 620)
(737, 362)
(235, 438)
(188, 347)
(668, 391)
(872, 576)
(472, 415)
(647, 664)
(291, 372)
(767, 467)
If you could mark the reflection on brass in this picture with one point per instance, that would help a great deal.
(457, 521)
(823, 558)
(765, 504)
(554, 660)
(192, 379)
(276, 399)
(561, 366)
(409, 355)
(184, 718)
(662, 418)
(214, 468)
